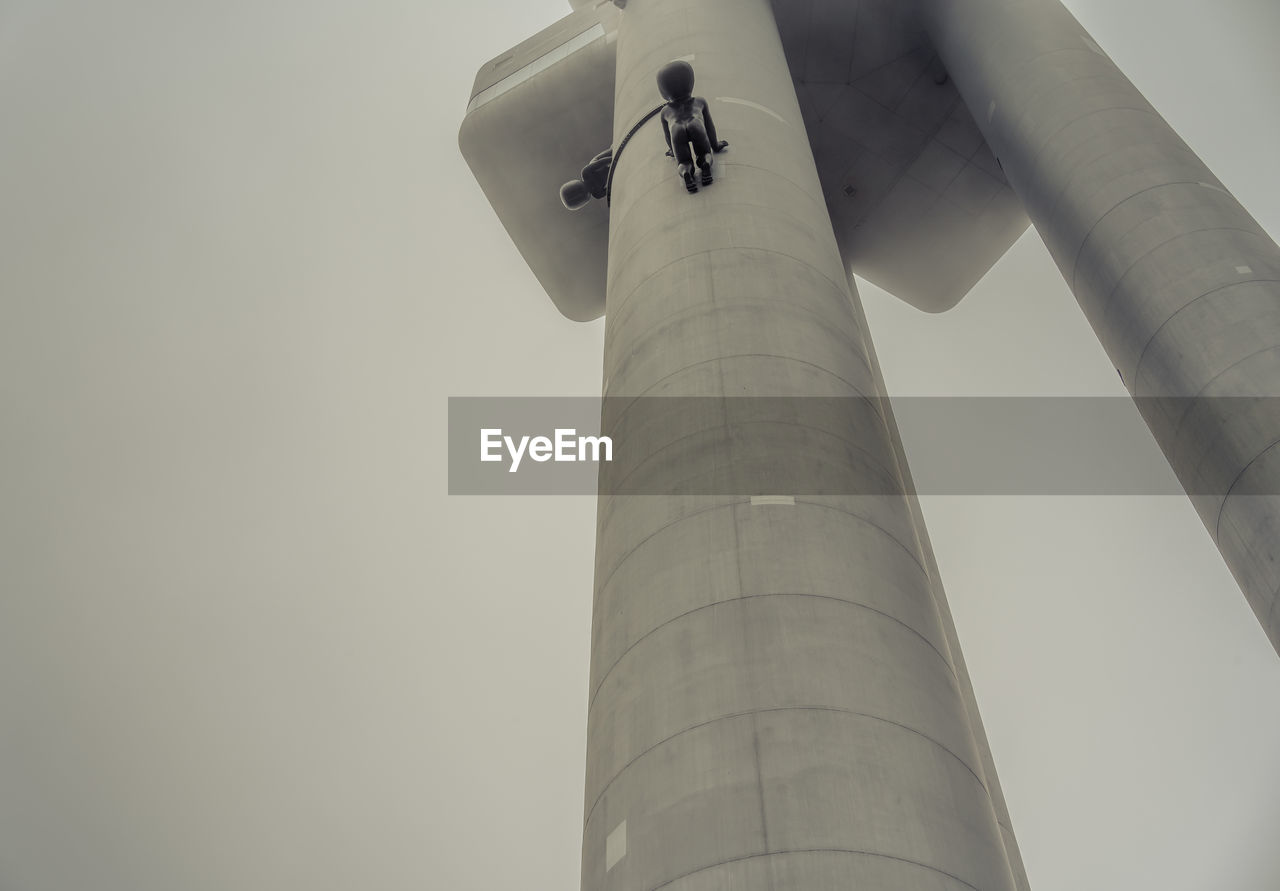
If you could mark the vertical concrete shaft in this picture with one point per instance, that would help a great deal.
(773, 703)
(953, 651)
(1180, 283)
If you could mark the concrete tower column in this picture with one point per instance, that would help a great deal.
(1180, 283)
(772, 700)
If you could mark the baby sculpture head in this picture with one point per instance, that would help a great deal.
(675, 81)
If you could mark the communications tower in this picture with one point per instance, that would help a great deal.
(777, 697)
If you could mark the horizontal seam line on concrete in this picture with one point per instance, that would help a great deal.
(1033, 102)
(855, 349)
(1036, 160)
(688, 436)
(1137, 368)
(666, 377)
(1084, 242)
(655, 233)
(1222, 508)
(771, 208)
(816, 851)
(1213, 444)
(1069, 186)
(740, 596)
(1037, 61)
(842, 287)
(743, 500)
(1177, 428)
(818, 200)
(786, 708)
(660, 530)
(826, 323)
(1107, 302)
(887, 534)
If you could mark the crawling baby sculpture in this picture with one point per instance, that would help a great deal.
(686, 124)
(577, 193)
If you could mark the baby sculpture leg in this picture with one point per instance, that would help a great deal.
(702, 150)
(680, 138)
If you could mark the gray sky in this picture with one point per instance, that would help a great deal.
(246, 639)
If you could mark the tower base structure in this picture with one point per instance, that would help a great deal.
(777, 697)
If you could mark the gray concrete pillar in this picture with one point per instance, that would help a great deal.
(1180, 283)
(772, 699)
(955, 655)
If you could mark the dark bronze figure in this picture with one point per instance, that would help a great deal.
(687, 124)
(595, 178)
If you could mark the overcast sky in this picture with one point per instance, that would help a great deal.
(248, 642)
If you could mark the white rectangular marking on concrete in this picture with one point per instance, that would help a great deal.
(1243, 270)
(772, 499)
(615, 846)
